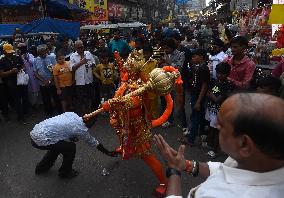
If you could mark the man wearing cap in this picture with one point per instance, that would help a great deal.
(10, 65)
(217, 56)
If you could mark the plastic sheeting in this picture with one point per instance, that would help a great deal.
(9, 29)
(14, 2)
(64, 28)
(63, 5)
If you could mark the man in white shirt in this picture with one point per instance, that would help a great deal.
(217, 56)
(82, 62)
(251, 132)
(58, 135)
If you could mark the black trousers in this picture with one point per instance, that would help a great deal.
(213, 138)
(97, 95)
(16, 95)
(4, 100)
(67, 149)
(48, 93)
(84, 95)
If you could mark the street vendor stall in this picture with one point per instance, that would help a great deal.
(113, 26)
(125, 28)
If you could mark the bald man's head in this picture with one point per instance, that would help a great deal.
(261, 117)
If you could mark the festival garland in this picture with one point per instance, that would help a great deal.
(166, 114)
(172, 69)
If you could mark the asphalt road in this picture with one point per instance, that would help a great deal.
(126, 179)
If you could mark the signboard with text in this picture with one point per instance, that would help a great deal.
(98, 8)
(115, 10)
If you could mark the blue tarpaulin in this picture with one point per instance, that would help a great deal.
(179, 2)
(62, 8)
(65, 28)
(9, 29)
(63, 5)
(14, 2)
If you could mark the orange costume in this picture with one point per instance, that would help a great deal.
(129, 114)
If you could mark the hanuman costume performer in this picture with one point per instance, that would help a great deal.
(129, 114)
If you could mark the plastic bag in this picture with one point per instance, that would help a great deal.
(22, 78)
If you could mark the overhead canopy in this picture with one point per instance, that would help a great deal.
(98, 27)
(9, 29)
(131, 25)
(64, 28)
(63, 5)
(14, 2)
(113, 26)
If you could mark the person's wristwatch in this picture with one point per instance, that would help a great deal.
(172, 171)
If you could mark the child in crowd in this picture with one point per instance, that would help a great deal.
(218, 91)
(62, 73)
(269, 85)
(105, 72)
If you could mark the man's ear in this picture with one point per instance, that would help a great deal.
(246, 146)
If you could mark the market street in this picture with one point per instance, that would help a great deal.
(127, 179)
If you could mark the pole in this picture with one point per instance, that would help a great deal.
(43, 6)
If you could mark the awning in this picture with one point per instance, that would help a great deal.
(14, 2)
(98, 27)
(9, 29)
(65, 28)
(131, 25)
(63, 5)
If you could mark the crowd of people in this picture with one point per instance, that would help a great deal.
(66, 76)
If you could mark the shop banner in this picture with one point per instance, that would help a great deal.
(277, 14)
(98, 8)
(115, 10)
